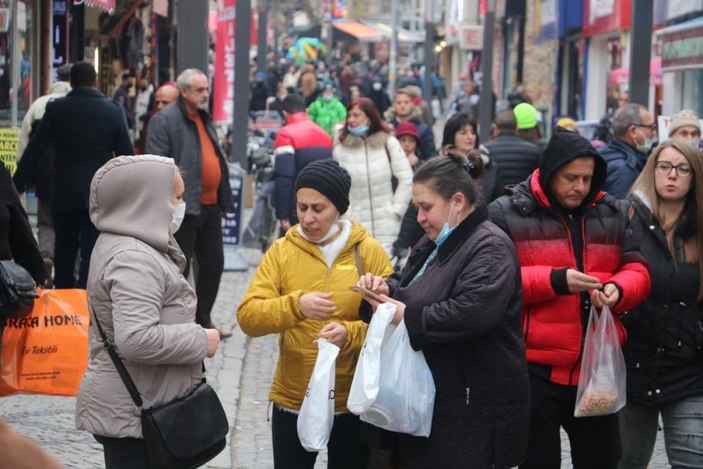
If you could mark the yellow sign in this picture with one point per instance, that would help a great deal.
(9, 138)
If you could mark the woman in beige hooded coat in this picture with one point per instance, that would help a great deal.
(146, 307)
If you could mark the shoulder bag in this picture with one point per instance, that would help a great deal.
(184, 433)
(17, 290)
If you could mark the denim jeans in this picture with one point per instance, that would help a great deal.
(683, 433)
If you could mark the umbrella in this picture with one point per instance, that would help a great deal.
(306, 49)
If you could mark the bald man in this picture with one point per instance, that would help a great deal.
(165, 95)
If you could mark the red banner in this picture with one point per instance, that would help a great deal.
(223, 82)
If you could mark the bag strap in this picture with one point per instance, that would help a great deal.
(121, 369)
(357, 257)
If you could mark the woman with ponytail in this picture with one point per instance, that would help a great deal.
(460, 297)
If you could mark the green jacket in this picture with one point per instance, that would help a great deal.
(327, 114)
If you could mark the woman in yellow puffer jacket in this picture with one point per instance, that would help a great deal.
(300, 291)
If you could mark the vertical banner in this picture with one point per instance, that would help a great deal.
(223, 82)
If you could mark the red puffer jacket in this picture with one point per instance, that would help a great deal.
(553, 323)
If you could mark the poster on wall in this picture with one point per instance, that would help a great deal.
(9, 138)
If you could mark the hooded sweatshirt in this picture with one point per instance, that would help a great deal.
(137, 291)
(550, 239)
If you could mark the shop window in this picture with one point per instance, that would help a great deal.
(16, 29)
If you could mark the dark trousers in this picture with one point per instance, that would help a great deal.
(344, 449)
(73, 229)
(200, 236)
(123, 453)
(595, 441)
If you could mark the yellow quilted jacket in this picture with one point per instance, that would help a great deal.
(291, 268)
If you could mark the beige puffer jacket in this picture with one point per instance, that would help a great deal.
(137, 290)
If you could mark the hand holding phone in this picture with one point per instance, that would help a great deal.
(366, 292)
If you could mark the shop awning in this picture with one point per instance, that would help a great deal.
(358, 30)
(403, 34)
(682, 46)
(106, 5)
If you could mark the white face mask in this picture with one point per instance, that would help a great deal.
(332, 231)
(179, 213)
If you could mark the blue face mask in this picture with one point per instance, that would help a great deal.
(446, 231)
(695, 144)
(359, 130)
(646, 146)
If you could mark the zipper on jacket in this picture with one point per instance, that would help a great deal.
(368, 181)
(468, 394)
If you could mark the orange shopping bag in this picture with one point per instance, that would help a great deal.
(47, 351)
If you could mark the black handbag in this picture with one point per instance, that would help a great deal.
(17, 290)
(182, 434)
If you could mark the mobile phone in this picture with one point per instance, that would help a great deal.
(366, 292)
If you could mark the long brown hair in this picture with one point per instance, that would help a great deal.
(376, 124)
(694, 199)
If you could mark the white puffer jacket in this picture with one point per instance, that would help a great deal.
(372, 162)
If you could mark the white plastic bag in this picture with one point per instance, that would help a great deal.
(406, 391)
(364, 387)
(602, 380)
(317, 412)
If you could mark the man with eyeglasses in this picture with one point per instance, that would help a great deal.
(184, 131)
(686, 125)
(634, 130)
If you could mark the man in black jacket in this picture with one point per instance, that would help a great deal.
(87, 129)
(515, 158)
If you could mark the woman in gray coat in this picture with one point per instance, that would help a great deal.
(460, 296)
(137, 291)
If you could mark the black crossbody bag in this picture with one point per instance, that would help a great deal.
(182, 434)
(17, 290)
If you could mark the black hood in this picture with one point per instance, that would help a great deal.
(564, 147)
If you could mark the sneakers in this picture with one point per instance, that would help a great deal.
(223, 334)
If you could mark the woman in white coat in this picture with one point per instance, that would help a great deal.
(380, 173)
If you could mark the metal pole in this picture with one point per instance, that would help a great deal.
(393, 55)
(192, 35)
(640, 50)
(240, 120)
(274, 13)
(485, 109)
(261, 46)
(15, 65)
(429, 49)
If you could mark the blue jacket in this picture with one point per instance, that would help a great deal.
(624, 165)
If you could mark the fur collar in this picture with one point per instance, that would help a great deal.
(377, 140)
(390, 116)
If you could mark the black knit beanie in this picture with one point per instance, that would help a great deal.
(329, 179)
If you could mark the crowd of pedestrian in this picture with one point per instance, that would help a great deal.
(493, 254)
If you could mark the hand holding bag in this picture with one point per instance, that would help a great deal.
(317, 412)
(406, 392)
(601, 389)
(364, 387)
(17, 290)
(182, 434)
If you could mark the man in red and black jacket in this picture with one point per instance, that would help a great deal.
(570, 239)
(298, 143)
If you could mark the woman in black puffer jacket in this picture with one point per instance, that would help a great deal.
(664, 351)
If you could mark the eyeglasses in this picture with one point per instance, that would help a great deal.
(664, 167)
(651, 127)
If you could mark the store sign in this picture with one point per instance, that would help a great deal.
(223, 92)
(107, 5)
(471, 37)
(683, 49)
(9, 138)
(60, 34)
(668, 10)
(604, 16)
